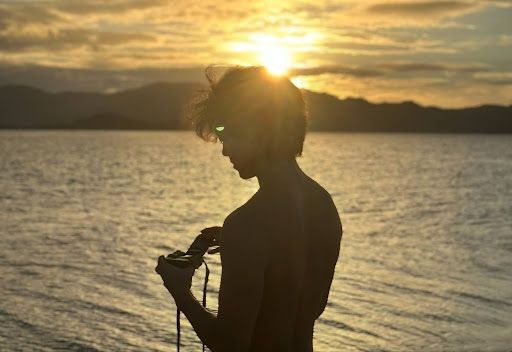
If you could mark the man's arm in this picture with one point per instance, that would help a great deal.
(240, 293)
(243, 258)
(203, 322)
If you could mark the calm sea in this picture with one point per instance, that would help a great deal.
(426, 257)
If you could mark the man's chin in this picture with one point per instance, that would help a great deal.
(245, 175)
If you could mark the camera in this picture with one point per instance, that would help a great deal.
(193, 257)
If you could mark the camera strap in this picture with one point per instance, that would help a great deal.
(178, 312)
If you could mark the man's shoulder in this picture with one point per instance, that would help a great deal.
(242, 237)
(235, 219)
(319, 191)
(243, 223)
(252, 212)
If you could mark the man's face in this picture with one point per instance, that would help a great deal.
(243, 149)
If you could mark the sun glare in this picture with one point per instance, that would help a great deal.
(273, 52)
(275, 59)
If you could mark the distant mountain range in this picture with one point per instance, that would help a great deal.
(161, 106)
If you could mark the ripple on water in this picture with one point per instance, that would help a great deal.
(425, 262)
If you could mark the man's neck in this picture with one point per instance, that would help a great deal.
(279, 174)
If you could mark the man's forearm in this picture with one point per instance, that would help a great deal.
(203, 322)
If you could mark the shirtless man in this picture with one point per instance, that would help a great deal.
(279, 249)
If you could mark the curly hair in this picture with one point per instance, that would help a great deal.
(251, 99)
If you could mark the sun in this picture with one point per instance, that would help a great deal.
(276, 59)
(272, 52)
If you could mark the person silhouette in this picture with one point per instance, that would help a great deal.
(279, 249)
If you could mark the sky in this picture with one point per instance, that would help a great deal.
(442, 53)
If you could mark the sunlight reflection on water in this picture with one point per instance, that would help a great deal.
(425, 259)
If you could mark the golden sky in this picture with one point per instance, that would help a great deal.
(444, 53)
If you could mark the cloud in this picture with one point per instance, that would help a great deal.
(430, 67)
(36, 37)
(116, 7)
(27, 12)
(499, 3)
(23, 14)
(495, 78)
(351, 40)
(505, 40)
(437, 9)
(429, 90)
(339, 70)
(413, 14)
(391, 68)
(379, 45)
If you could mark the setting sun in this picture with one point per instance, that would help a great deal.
(275, 59)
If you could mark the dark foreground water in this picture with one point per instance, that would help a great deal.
(426, 258)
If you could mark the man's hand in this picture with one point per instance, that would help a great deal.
(176, 280)
(215, 233)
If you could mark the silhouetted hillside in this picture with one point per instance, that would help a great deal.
(157, 106)
(332, 114)
(160, 106)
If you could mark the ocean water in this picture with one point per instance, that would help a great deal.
(426, 255)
